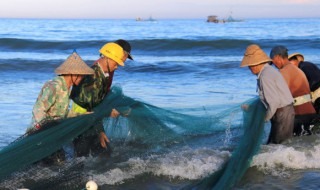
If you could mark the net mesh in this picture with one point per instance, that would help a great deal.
(66, 179)
(232, 171)
(142, 124)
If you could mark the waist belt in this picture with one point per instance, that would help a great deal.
(302, 99)
(315, 94)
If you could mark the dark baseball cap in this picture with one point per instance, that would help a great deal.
(279, 50)
(125, 46)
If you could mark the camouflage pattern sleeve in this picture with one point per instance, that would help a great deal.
(82, 93)
(46, 99)
(91, 90)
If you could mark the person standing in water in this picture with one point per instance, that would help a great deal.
(273, 92)
(91, 92)
(299, 88)
(312, 73)
(53, 100)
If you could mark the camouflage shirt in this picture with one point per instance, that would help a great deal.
(52, 102)
(91, 90)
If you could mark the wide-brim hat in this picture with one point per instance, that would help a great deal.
(125, 46)
(74, 65)
(299, 56)
(254, 55)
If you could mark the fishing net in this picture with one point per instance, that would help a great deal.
(68, 179)
(232, 171)
(143, 124)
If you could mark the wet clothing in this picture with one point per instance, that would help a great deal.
(87, 143)
(276, 97)
(52, 102)
(280, 131)
(89, 93)
(312, 73)
(316, 105)
(304, 124)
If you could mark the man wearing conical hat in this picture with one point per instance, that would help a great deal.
(312, 73)
(299, 88)
(53, 100)
(92, 91)
(273, 92)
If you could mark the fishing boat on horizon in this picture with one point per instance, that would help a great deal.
(150, 19)
(214, 19)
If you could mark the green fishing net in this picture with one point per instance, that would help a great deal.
(144, 124)
(232, 171)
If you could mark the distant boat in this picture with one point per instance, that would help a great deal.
(214, 19)
(149, 19)
(231, 19)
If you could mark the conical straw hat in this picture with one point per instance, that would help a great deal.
(74, 65)
(298, 55)
(254, 55)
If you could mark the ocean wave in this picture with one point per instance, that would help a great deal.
(28, 65)
(16, 44)
(217, 46)
(33, 64)
(170, 67)
(47, 62)
(279, 160)
(186, 164)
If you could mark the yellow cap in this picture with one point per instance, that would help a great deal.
(114, 52)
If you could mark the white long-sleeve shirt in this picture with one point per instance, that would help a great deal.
(273, 90)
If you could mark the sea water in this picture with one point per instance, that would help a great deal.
(188, 66)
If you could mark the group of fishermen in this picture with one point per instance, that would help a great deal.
(290, 96)
(86, 87)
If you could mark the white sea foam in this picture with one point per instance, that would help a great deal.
(186, 164)
(279, 159)
(133, 167)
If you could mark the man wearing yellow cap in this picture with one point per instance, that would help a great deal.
(273, 92)
(91, 92)
(312, 73)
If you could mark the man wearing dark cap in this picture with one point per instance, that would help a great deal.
(91, 92)
(299, 88)
(127, 52)
(312, 73)
(125, 46)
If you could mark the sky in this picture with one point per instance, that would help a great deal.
(158, 9)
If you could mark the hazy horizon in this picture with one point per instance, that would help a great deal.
(204, 18)
(159, 9)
